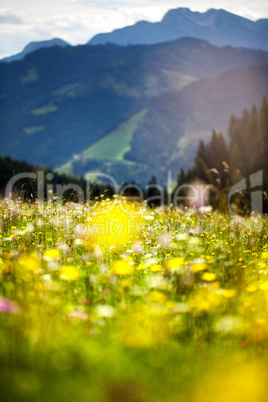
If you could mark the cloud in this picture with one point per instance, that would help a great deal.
(9, 18)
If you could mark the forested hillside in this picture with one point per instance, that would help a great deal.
(223, 163)
(58, 102)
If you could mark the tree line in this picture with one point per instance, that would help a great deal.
(223, 163)
(220, 163)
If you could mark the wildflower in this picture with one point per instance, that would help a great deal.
(29, 263)
(141, 267)
(52, 254)
(175, 263)
(252, 288)
(78, 314)
(69, 273)
(264, 255)
(229, 293)
(156, 268)
(209, 259)
(203, 300)
(126, 283)
(209, 276)
(164, 240)
(198, 267)
(157, 297)
(114, 225)
(137, 248)
(264, 286)
(8, 306)
(105, 311)
(122, 267)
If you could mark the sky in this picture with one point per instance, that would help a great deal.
(77, 21)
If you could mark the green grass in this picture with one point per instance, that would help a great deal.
(31, 76)
(114, 146)
(119, 87)
(44, 110)
(68, 90)
(66, 168)
(176, 80)
(114, 302)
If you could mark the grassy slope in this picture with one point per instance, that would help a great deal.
(176, 80)
(114, 146)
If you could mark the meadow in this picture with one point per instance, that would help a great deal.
(113, 301)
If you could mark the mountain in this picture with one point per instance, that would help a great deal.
(176, 120)
(219, 27)
(32, 46)
(84, 108)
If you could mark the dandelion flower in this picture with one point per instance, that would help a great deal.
(198, 267)
(175, 263)
(53, 254)
(69, 273)
(122, 267)
(209, 276)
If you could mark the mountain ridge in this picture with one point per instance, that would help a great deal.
(167, 30)
(219, 27)
(33, 46)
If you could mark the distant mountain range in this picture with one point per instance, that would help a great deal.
(219, 27)
(32, 46)
(131, 111)
(128, 111)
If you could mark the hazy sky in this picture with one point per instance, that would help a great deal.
(76, 21)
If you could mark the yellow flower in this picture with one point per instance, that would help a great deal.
(52, 253)
(209, 259)
(157, 297)
(69, 273)
(264, 255)
(122, 267)
(203, 300)
(175, 263)
(141, 267)
(29, 262)
(113, 226)
(198, 267)
(264, 286)
(126, 283)
(252, 288)
(209, 276)
(156, 268)
(229, 293)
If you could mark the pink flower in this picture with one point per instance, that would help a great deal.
(78, 314)
(8, 306)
